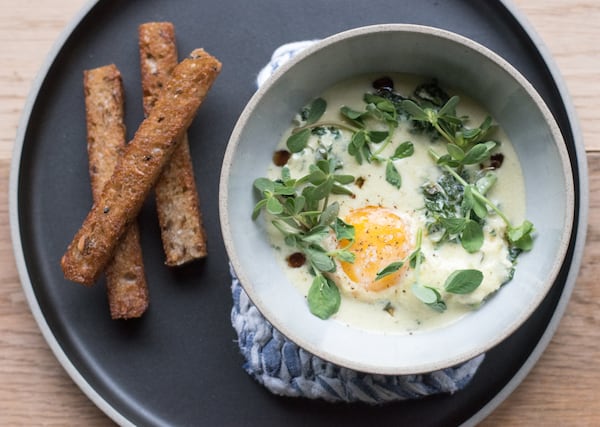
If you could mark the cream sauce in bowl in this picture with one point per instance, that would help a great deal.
(396, 308)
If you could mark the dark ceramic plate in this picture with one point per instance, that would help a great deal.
(180, 364)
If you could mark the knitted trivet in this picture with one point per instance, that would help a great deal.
(288, 370)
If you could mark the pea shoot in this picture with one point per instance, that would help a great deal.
(367, 141)
(301, 211)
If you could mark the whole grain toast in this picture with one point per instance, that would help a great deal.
(179, 215)
(104, 103)
(139, 167)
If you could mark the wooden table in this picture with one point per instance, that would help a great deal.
(560, 390)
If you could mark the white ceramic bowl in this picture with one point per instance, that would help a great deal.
(460, 64)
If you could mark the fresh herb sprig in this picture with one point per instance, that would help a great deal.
(311, 115)
(475, 201)
(365, 143)
(301, 211)
(459, 282)
(467, 146)
(414, 260)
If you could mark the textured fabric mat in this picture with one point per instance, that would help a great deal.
(288, 370)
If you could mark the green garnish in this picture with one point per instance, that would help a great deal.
(456, 204)
(389, 269)
(315, 110)
(463, 281)
(365, 143)
(301, 211)
(462, 210)
(323, 297)
(476, 203)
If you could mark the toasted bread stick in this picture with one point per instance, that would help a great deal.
(177, 203)
(139, 167)
(104, 99)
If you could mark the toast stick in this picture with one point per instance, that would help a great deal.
(104, 99)
(177, 203)
(139, 167)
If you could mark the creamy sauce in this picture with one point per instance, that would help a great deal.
(396, 309)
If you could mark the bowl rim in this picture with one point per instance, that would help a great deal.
(235, 139)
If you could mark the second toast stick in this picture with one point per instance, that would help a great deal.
(179, 215)
(104, 99)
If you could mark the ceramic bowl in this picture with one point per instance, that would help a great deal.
(457, 63)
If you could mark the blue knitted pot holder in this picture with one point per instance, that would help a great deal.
(288, 370)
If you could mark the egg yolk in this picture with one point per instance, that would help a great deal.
(381, 237)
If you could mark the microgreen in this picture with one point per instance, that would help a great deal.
(448, 125)
(475, 203)
(405, 149)
(319, 258)
(323, 297)
(389, 269)
(426, 294)
(298, 141)
(392, 175)
(429, 296)
(343, 230)
(299, 208)
(463, 281)
(459, 282)
(460, 215)
(315, 110)
(471, 237)
(456, 204)
(367, 141)
(520, 235)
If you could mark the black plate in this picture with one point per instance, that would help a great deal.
(180, 363)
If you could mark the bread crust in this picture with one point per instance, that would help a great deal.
(139, 167)
(104, 105)
(177, 202)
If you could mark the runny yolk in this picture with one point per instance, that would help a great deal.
(381, 237)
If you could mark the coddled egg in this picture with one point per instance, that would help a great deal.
(382, 236)
(387, 220)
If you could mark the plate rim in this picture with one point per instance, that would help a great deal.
(581, 218)
(15, 226)
(118, 417)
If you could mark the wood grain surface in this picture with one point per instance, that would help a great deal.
(561, 390)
